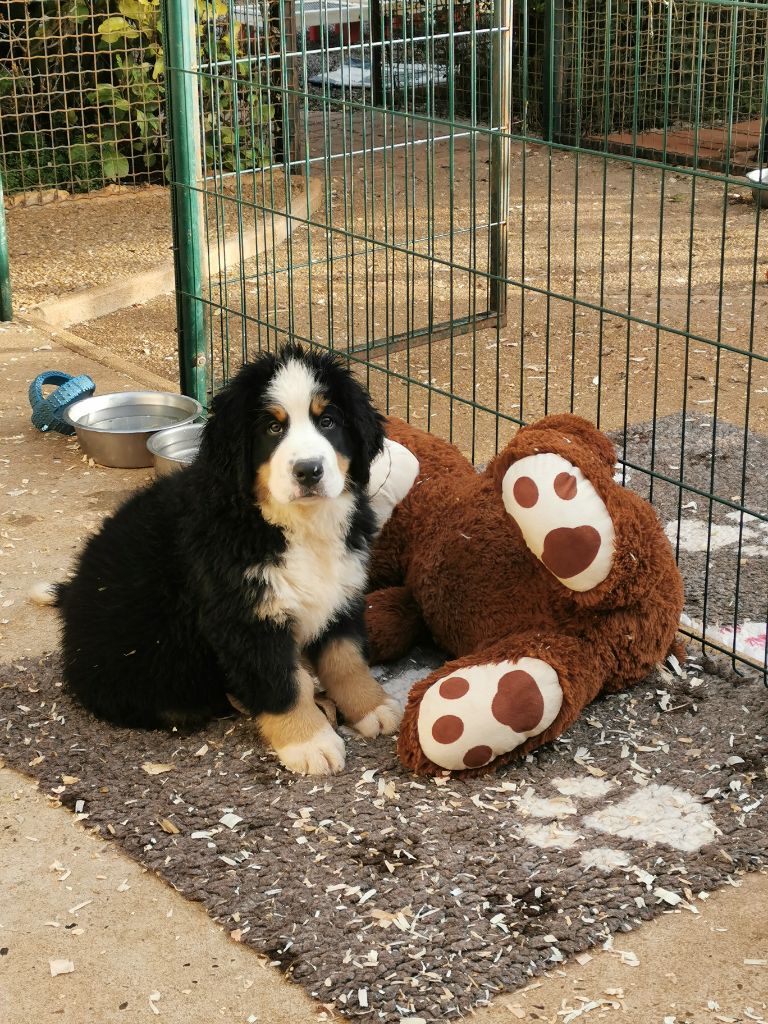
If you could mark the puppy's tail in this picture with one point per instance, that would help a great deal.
(46, 593)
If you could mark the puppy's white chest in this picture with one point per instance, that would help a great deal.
(311, 583)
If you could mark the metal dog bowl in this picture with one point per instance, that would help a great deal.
(759, 177)
(175, 447)
(113, 429)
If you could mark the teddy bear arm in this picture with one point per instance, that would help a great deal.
(643, 580)
(481, 711)
(602, 543)
(569, 428)
(393, 623)
(436, 457)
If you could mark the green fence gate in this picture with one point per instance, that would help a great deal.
(496, 213)
(350, 235)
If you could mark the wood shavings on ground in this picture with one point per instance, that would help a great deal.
(230, 820)
(420, 898)
(626, 956)
(672, 898)
(64, 872)
(61, 967)
(587, 1006)
(156, 769)
(79, 906)
(399, 919)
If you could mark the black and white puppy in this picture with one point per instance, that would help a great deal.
(238, 579)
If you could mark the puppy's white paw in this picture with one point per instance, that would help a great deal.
(384, 719)
(323, 754)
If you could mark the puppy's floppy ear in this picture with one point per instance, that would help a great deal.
(366, 425)
(227, 444)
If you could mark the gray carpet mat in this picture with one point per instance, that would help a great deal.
(390, 896)
(722, 553)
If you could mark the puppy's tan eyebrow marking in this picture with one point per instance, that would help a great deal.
(278, 412)
(319, 404)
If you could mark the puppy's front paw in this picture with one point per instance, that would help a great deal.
(384, 719)
(323, 754)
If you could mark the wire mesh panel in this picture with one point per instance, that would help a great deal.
(637, 266)
(379, 217)
(81, 93)
(437, 181)
(694, 56)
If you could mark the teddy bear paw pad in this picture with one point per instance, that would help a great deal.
(482, 711)
(563, 519)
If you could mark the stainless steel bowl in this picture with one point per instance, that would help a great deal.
(757, 178)
(175, 447)
(113, 429)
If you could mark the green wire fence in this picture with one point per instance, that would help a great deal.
(693, 59)
(499, 213)
(6, 304)
(331, 230)
(494, 210)
(81, 94)
(82, 91)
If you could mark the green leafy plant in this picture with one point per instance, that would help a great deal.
(82, 94)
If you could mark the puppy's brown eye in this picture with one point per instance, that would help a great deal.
(326, 422)
(275, 427)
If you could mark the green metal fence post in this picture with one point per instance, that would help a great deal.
(6, 306)
(552, 97)
(183, 111)
(501, 121)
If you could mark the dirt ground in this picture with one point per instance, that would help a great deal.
(573, 228)
(87, 241)
(139, 950)
(82, 242)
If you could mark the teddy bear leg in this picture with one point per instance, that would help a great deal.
(393, 623)
(484, 709)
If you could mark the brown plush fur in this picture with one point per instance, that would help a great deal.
(452, 564)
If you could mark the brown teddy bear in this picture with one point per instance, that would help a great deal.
(546, 581)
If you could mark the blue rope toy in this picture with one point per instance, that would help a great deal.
(47, 412)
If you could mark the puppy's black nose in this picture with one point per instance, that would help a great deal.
(308, 471)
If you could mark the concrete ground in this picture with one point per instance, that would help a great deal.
(139, 949)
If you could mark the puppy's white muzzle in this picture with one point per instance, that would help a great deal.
(305, 465)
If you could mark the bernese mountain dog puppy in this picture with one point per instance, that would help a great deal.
(241, 578)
